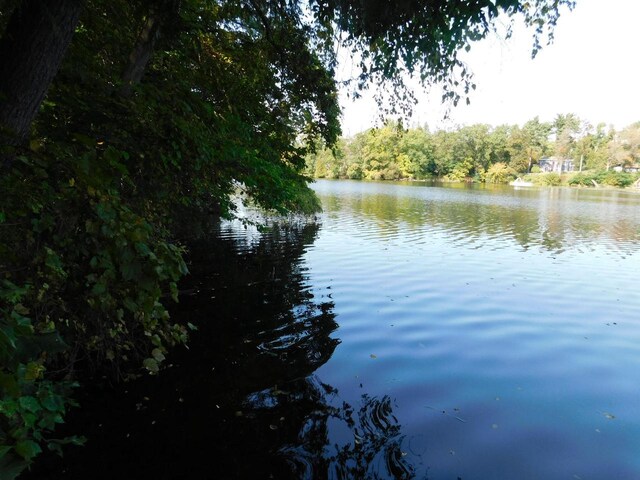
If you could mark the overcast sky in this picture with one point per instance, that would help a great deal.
(592, 70)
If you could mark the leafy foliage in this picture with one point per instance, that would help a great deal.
(390, 38)
(480, 153)
(609, 178)
(551, 179)
(500, 173)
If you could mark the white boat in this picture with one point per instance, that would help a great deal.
(519, 182)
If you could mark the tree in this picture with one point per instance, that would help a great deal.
(528, 144)
(566, 128)
(624, 148)
(473, 142)
(387, 37)
(380, 152)
(499, 139)
(415, 154)
(31, 50)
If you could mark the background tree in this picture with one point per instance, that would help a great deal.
(565, 128)
(380, 153)
(528, 144)
(416, 154)
(630, 140)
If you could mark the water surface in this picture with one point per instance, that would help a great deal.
(415, 331)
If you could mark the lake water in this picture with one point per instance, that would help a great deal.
(415, 331)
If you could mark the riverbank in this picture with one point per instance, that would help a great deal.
(592, 179)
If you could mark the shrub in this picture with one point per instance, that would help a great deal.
(603, 177)
(551, 179)
(500, 173)
(615, 179)
(580, 179)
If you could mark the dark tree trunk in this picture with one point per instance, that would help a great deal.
(141, 53)
(160, 12)
(31, 50)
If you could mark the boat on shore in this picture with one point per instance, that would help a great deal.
(519, 182)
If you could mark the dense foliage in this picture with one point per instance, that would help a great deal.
(482, 153)
(160, 114)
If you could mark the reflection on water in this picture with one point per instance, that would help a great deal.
(550, 218)
(243, 401)
(505, 323)
(417, 332)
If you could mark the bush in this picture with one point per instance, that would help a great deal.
(615, 179)
(84, 278)
(500, 173)
(581, 179)
(551, 179)
(603, 177)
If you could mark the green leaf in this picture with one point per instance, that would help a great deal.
(9, 384)
(151, 364)
(11, 467)
(52, 402)
(4, 449)
(157, 354)
(30, 403)
(33, 371)
(28, 449)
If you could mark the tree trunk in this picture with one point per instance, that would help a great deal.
(31, 51)
(141, 53)
(160, 12)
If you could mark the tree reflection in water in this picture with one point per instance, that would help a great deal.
(243, 401)
(371, 449)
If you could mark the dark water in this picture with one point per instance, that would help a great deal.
(415, 332)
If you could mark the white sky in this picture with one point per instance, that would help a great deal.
(592, 70)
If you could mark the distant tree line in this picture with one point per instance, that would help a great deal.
(480, 152)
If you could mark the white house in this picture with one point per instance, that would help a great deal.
(555, 164)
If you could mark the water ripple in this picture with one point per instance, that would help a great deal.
(520, 309)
